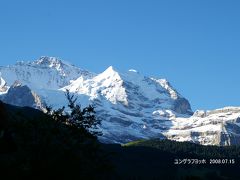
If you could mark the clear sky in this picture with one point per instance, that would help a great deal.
(194, 44)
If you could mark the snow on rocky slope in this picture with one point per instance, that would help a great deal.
(217, 127)
(3, 86)
(44, 73)
(22, 95)
(129, 102)
(131, 106)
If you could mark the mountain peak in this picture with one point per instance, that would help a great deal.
(44, 61)
(43, 73)
(110, 72)
(110, 69)
(49, 61)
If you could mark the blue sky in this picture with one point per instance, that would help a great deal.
(194, 44)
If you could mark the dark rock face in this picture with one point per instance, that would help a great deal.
(182, 106)
(19, 95)
(232, 138)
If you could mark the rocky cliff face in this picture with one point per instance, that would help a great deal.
(217, 127)
(130, 105)
(3, 86)
(22, 95)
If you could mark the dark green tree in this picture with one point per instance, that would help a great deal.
(83, 119)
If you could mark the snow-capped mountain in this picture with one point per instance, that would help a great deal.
(132, 91)
(44, 73)
(130, 105)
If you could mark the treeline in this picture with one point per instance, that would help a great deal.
(155, 159)
(189, 149)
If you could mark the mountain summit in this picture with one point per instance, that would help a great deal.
(131, 105)
(44, 73)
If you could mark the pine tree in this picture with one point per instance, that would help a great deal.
(82, 119)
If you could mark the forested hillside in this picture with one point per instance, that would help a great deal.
(34, 145)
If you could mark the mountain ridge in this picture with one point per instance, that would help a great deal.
(132, 106)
